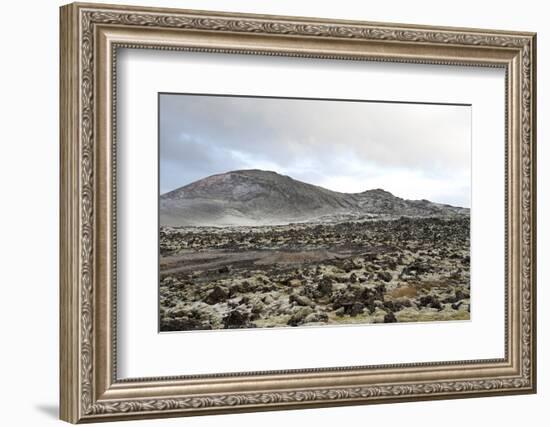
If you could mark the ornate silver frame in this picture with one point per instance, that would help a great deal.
(90, 36)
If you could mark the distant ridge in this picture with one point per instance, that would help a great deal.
(257, 197)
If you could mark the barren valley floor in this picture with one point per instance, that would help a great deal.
(328, 273)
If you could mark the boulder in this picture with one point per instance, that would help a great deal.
(217, 295)
(224, 269)
(384, 275)
(324, 287)
(316, 317)
(183, 324)
(430, 301)
(460, 295)
(236, 319)
(356, 308)
(301, 300)
(390, 318)
(299, 316)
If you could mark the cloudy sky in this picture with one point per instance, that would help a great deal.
(415, 151)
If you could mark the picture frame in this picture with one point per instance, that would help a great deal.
(91, 37)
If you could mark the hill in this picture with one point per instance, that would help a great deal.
(257, 197)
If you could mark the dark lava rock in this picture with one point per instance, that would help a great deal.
(371, 306)
(325, 287)
(246, 286)
(426, 300)
(416, 269)
(385, 276)
(363, 293)
(456, 275)
(343, 299)
(370, 257)
(169, 303)
(348, 266)
(181, 312)
(456, 305)
(266, 287)
(216, 295)
(301, 300)
(380, 289)
(460, 295)
(356, 308)
(310, 291)
(299, 317)
(353, 278)
(390, 318)
(245, 299)
(238, 288)
(401, 304)
(340, 312)
(224, 269)
(389, 305)
(232, 303)
(430, 301)
(316, 317)
(183, 324)
(236, 319)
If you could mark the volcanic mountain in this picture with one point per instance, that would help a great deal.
(257, 197)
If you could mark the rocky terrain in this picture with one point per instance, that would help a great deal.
(256, 198)
(341, 269)
(251, 248)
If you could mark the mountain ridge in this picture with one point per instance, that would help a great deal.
(257, 197)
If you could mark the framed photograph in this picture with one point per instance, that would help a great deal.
(266, 212)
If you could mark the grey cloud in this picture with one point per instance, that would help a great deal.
(344, 145)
